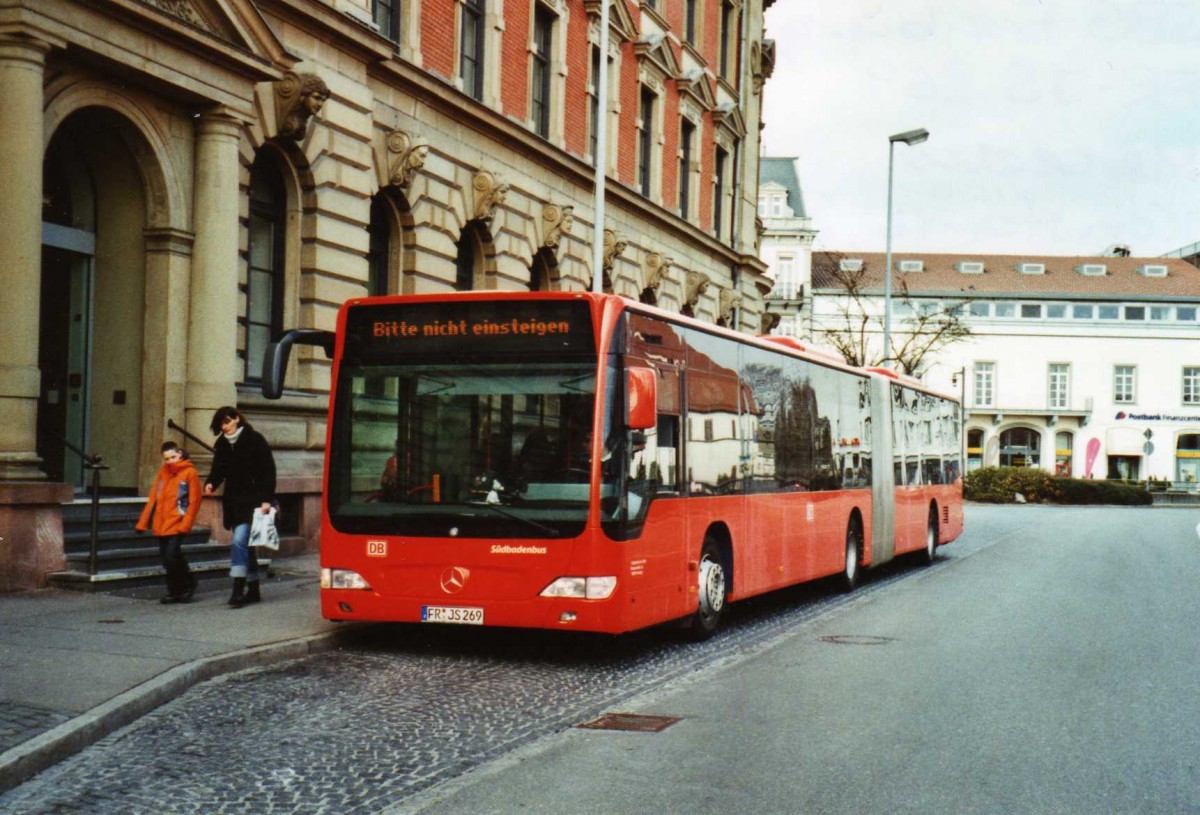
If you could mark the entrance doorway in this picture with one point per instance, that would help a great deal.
(64, 358)
(92, 311)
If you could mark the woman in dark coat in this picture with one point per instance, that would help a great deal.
(243, 462)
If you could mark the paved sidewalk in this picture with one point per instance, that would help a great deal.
(75, 667)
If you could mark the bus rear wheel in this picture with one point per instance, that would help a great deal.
(931, 538)
(713, 587)
(852, 565)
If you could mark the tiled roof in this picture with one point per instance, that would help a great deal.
(783, 172)
(1001, 278)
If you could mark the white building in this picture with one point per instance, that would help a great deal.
(787, 241)
(1073, 363)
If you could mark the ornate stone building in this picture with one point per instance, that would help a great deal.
(184, 179)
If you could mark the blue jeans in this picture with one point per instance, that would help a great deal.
(243, 562)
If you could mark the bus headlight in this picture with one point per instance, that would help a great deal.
(343, 579)
(586, 588)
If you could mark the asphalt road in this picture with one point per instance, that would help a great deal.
(1054, 670)
(1046, 663)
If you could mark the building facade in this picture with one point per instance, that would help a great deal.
(1083, 366)
(787, 242)
(188, 178)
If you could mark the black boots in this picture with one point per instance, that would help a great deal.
(243, 593)
(238, 598)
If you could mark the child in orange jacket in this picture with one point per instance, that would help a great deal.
(169, 514)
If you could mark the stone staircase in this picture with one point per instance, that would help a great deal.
(125, 559)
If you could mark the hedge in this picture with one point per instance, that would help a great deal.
(1001, 485)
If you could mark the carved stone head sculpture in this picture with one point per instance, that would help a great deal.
(298, 97)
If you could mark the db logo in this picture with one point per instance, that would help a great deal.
(376, 548)
(454, 578)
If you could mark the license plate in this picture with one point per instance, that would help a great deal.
(462, 615)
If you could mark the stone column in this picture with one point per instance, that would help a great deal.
(213, 310)
(22, 72)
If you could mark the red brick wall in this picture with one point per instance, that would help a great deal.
(438, 46)
(579, 61)
(514, 60)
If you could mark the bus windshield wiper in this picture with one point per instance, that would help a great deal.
(541, 527)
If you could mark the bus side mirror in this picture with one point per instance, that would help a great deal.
(275, 358)
(642, 386)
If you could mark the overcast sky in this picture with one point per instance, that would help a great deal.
(1058, 127)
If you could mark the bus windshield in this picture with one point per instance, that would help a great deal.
(493, 449)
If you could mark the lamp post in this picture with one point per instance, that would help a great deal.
(910, 138)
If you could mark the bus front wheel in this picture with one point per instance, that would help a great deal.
(713, 586)
(852, 565)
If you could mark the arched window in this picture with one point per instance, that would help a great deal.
(544, 271)
(1064, 445)
(266, 245)
(974, 449)
(1020, 447)
(379, 253)
(470, 258)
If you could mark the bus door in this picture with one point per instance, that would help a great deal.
(883, 474)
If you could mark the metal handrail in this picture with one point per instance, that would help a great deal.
(188, 435)
(95, 463)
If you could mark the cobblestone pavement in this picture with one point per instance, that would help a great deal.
(356, 731)
(19, 723)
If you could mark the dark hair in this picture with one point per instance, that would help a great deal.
(223, 413)
(169, 445)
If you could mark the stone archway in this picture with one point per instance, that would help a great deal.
(98, 319)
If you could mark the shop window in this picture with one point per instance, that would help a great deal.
(1020, 447)
(1187, 459)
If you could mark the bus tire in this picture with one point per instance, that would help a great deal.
(852, 566)
(712, 590)
(929, 553)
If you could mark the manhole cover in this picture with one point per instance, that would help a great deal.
(636, 722)
(856, 639)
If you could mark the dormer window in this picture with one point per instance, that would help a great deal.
(850, 264)
(969, 267)
(1031, 268)
(911, 266)
(1092, 269)
(1152, 270)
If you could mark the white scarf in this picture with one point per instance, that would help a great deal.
(233, 437)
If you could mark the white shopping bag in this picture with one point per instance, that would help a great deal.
(262, 529)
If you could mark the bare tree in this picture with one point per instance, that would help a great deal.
(926, 327)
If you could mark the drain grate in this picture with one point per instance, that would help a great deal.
(633, 722)
(856, 639)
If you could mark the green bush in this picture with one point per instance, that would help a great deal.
(1000, 485)
(1087, 491)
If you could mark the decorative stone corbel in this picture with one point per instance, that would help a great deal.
(767, 322)
(409, 158)
(695, 285)
(614, 245)
(760, 229)
(556, 222)
(488, 194)
(727, 302)
(655, 267)
(298, 97)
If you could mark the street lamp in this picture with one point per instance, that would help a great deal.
(910, 138)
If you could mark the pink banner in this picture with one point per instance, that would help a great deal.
(1093, 448)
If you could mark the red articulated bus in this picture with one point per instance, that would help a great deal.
(578, 461)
